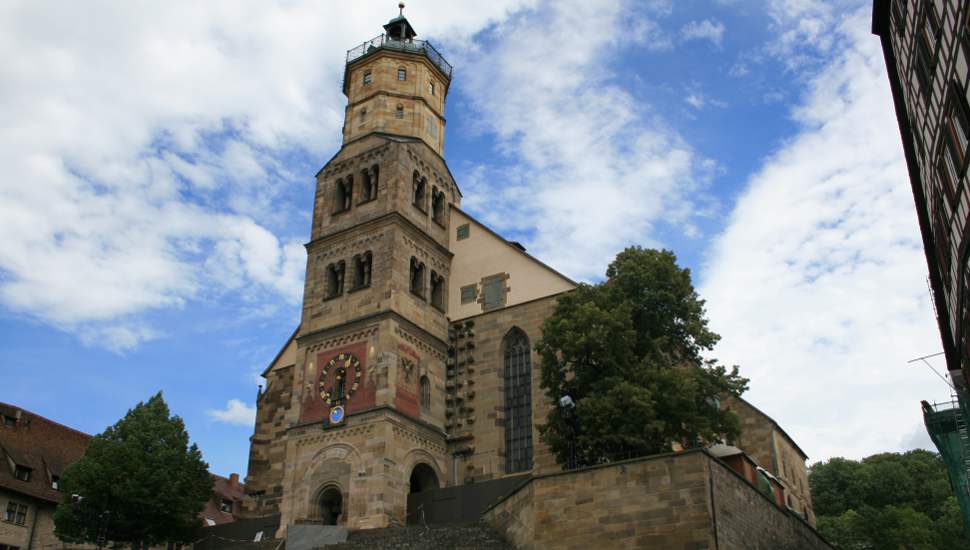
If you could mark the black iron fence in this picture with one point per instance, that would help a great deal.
(414, 46)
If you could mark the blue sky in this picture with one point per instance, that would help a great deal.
(160, 163)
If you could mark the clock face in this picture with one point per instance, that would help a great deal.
(346, 379)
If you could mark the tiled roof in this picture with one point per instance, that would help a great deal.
(42, 445)
(223, 489)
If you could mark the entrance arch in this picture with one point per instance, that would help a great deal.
(331, 505)
(423, 478)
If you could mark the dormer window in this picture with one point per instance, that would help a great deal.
(55, 482)
(225, 506)
(22, 473)
(402, 74)
(368, 77)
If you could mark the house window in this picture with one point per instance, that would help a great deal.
(493, 292)
(469, 293)
(399, 111)
(417, 277)
(419, 184)
(344, 194)
(402, 74)
(438, 206)
(425, 394)
(369, 178)
(362, 270)
(518, 401)
(368, 77)
(437, 290)
(55, 482)
(22, 473)
(335, 280)
(16, 513)
(225, 506)
(924, 67)
(431, 87)
(463, 231)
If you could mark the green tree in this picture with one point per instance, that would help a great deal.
(887, 501)
(139, 482)
(628, 352)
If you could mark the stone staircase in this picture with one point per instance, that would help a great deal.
(441, 537)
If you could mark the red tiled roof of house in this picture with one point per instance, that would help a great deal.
(224, 489)
(40, 444)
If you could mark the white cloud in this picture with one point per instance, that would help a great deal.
(592, 168)
(818, 283)
(141, 147)
(236, 412)
(707, 29)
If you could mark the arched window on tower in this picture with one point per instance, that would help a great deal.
(369, 178)
(438, 206)
(518, 401)
(362, 270)
(425, 394)
(399, 111)
(418, 197)
(437, 291)
(344, 194)
(417, 277)
(402, 74)
(335, 280)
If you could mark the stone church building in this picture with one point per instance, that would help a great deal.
(413, 366)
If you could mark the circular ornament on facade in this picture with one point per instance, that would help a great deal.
(337, 415)
(346, 379)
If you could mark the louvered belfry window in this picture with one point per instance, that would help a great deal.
(518, 402)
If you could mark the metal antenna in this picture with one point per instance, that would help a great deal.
(924, 358)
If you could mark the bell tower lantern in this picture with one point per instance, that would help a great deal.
(396, 84)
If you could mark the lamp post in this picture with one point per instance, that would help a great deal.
(568, 407)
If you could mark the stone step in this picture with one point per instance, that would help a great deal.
(441, 537)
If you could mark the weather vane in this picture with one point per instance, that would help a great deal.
(400, 6)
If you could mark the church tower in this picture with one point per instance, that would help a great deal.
(358, 421)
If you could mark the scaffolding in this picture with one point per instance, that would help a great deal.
(946, 423)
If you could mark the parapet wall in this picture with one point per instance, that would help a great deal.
(687, 500)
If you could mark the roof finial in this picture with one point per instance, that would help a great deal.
(400, 6)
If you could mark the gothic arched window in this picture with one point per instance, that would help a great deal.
(425, 394)
(335, 280)
(419, 184)
(438, 206)
(362, 270)
(518, 401)
(344, 194)
(417, 277)
(368, 189)
(437, 290)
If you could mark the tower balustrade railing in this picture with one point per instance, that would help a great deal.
(414, 46)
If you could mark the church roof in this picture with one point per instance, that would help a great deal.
(29, 440)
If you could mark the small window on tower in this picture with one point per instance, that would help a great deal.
(431, 87)
(437, 291)
(368, 78)
(417, 277)
(425, 394)
(399, 111)
(438, 206)
(335, 280)
(432, 127)
(362, 270)
(363, 115)
(402, 73)
(419, 184)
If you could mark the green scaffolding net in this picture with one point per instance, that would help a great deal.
(947, 425)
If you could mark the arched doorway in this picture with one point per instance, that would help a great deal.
(331, 504)
(423, 478)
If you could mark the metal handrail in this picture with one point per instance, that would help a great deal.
(414, 46)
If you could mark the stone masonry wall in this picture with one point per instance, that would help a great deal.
(687, 500)
(747, 520)
(657, 502)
